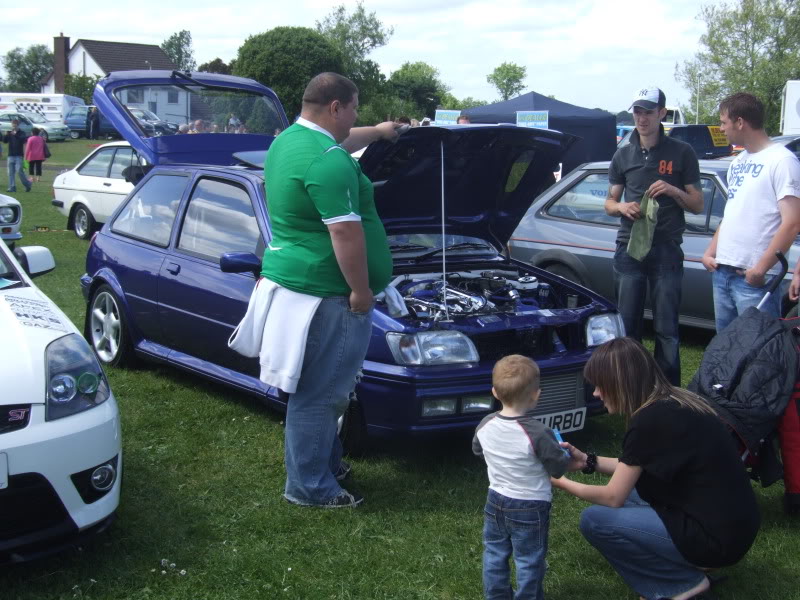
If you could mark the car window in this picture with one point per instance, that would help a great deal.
(150, 212)
(717, 210)
(79, 112)
(794, 147)
(122, 159)
(585, 201)
(97, 166)
(219, 219)
(697, 223)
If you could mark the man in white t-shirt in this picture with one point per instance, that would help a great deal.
(762, 214)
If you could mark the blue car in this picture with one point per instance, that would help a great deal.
(169, 276)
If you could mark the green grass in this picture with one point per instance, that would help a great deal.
(203, 476)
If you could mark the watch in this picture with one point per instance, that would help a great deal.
(591, 464)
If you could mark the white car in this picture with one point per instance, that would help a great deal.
(10, 219)
(90, 193)
(60, 450)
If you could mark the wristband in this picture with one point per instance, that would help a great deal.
(591, 464)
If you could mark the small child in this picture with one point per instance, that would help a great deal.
(521, 455)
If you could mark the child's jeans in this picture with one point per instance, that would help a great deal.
(517, 527)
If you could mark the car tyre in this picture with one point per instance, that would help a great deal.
(83, 222)
(75, 134)
(107, 328)
(352, 429)
(564, 271)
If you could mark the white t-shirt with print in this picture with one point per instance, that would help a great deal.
(756, 183)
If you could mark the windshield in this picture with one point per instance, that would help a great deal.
(8, 275)
(199, 109)
(418, 243)
(36, 118)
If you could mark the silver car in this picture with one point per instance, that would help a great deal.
(49, 130)
(567, 231)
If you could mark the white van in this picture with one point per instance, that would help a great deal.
(674, 116)
(53, 107)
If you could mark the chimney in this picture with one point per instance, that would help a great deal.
(60, 62)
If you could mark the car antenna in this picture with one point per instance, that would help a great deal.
(444, 244)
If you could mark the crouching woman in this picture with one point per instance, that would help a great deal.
(679, 500)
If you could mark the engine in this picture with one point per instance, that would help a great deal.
(489, 292)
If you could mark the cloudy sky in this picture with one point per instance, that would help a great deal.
(593, 53)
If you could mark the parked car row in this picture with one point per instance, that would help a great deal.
(49, 130)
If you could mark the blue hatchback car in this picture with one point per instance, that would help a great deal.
(169, 275)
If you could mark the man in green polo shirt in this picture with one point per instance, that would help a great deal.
(327, 242)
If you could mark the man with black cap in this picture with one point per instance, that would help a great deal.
(660, 179)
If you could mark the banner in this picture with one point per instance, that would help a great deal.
(447, 117)
(533, 118)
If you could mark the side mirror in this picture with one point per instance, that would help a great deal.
(240, 262)
(35, 260)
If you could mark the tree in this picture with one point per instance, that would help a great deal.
(451, 102)
(355, 35)
(178, 47)
(285, 59)
(507, 78)
(25, 70)
(419, 84)
(81, 86)
(624, 118)
(215, 66)
(749, 45)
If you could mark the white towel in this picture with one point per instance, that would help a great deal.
(394, 301)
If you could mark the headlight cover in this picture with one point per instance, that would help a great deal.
(432, 348)
(7, 214)
(601, 328)
(75, 380)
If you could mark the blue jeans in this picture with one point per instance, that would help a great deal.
(335, 349)
(733, 295)
(14, 166)
(662, 269)
(634, 540)
(517, 527)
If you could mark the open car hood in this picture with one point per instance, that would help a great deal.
(492, 174)
(184, 99)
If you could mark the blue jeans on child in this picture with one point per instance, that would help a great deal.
(634, 540)
(733, 295)
(518, 528)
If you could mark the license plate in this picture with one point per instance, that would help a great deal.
(3, 471)
(569, 420)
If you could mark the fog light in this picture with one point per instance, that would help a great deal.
(439, 407)
(103, 477)
(472, 404)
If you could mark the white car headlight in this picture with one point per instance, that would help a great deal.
(75, 380)
(7, 214)
(432, 348)
(601, 328)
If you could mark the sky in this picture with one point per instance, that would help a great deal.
(593, 53)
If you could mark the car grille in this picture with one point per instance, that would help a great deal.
(29, 504)
(560, 392)
(531, 341)
(14, 417)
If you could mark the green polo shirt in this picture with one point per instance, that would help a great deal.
(312, 182)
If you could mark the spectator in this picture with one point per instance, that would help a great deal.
(183, 129)
(463, 120)
(15, 138)
(403, 121)
(233, 123)
(198, 127)
(93, 123)
(652, 168)
(693, 507)
(35, 154)
(762, 213)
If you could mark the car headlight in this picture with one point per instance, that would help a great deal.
(432, 348)
(75, 381)
(601, 328)
(7, 214)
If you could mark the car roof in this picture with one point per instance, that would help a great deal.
(717, 165)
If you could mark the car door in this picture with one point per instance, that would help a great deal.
(116, 187)
(199, 305)
(91, 184)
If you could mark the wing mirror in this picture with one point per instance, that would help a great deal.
(240, 262)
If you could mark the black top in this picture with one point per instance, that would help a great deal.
(637, 169)
(692, 476)
(16, 143)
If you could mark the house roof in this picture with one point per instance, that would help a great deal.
(123, 56)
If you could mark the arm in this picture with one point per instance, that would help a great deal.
(789, 207)
(615, 208)
(794, 288)
(360, 137)
(691, 199)
(613, 494)
(710, 256)
(350, 249)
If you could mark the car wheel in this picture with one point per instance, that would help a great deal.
(352, 430)
(107, 328)
(83, 222)
(75, 134)
(564, 271)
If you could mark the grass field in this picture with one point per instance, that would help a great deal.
(202, 516)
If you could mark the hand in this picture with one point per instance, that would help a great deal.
(558, 483)
(794, 287)
(631, 210)
(361, 302)
(577, 459)
(754, 278)
(710, 262)
(662, 187)
(388, 130)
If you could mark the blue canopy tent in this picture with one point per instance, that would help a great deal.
(596, 128)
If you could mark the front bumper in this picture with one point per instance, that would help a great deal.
(45, 506)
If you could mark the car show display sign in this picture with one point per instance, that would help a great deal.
(538, 119)
(447, 117)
